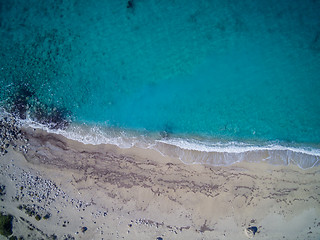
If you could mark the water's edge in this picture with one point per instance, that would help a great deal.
(189, 150)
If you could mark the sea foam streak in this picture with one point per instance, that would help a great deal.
(191, 151)
(217, 153)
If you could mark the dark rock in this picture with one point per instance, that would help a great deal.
(159, 238)
(30, 211)
(84, 229)
(68, 237)
(38, 217)
(53, 237)
(253, 229)
(2, 190)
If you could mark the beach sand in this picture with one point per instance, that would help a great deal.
(104, 192)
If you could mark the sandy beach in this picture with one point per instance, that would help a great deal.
(160, 120)
(63, 189)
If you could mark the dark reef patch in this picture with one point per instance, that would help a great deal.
(53, 117)
(23, 102)
(32, 59)
(130, 4)
(20, 101)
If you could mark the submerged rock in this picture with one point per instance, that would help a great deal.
(53, 117)
(167, 131)
(23, 102)
(20, 102)
(130, 4)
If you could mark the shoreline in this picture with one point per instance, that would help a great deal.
(194, 150)
(146, 195)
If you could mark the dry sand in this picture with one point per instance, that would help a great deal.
(139, 194)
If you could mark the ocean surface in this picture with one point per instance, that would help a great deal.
(208, 81)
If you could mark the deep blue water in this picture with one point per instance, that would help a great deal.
(246, 71)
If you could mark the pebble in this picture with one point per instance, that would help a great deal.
(10, 134)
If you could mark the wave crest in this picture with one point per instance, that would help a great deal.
(220, 154)
(191, 151)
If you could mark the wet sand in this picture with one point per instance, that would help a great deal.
(104, 192)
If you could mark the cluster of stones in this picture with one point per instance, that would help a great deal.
(34, 210)
(32, 227)
(10, 134)
(37, 194)
(37, 189)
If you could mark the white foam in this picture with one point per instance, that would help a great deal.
(218, 154)
(233, 147)
(88, 135)
(191, 151)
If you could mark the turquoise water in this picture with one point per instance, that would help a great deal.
(209, 71)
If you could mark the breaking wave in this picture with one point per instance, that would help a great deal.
(191, 151)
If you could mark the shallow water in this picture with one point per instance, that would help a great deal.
(209, 72)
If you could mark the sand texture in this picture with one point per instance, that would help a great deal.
(103, 192)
